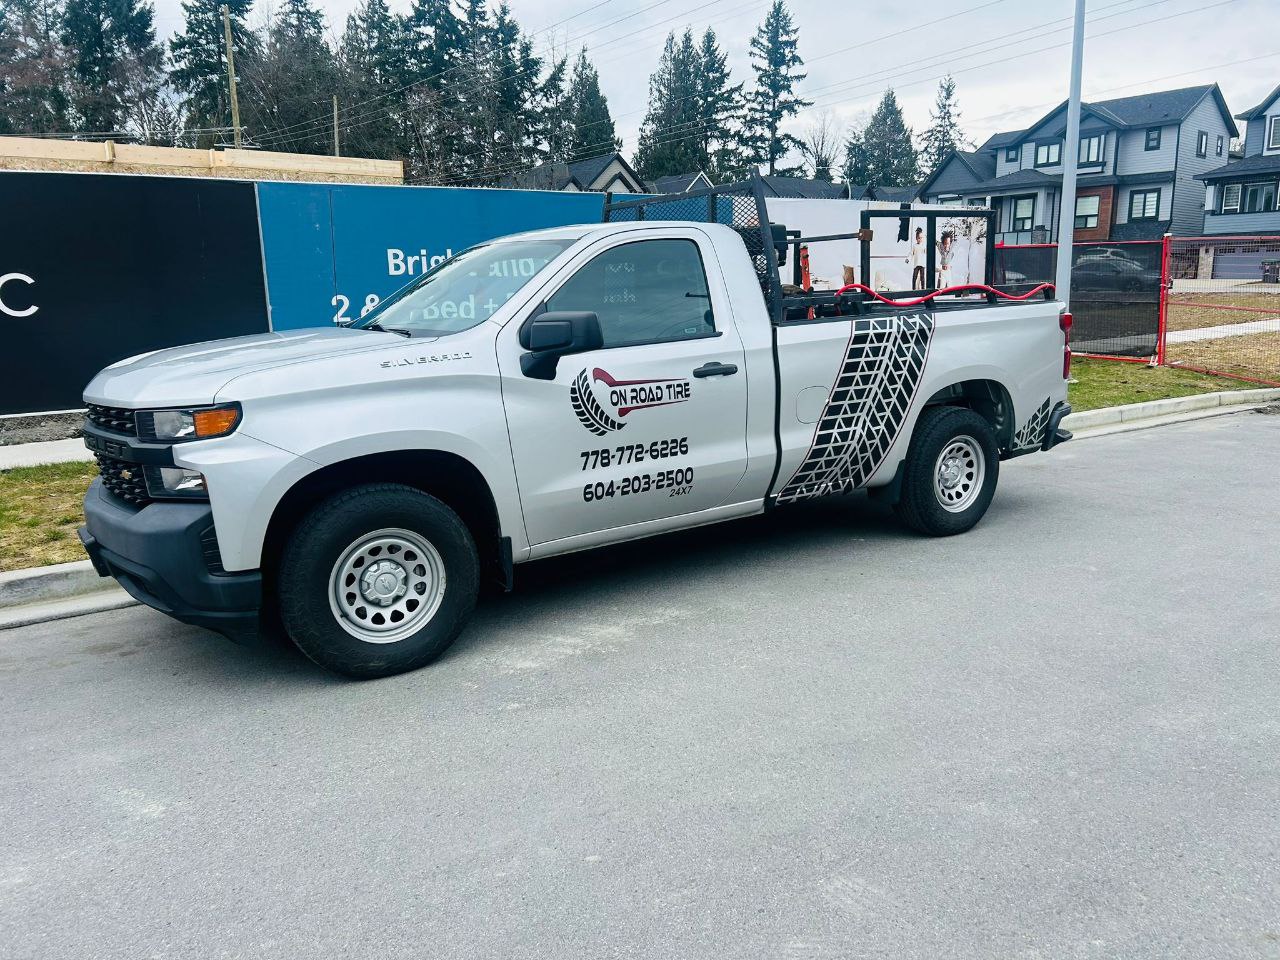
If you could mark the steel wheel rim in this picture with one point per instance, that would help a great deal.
(958, 474)
(386, 585)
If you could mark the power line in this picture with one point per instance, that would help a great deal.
(457, 67)
(693, 131)
(376, 115)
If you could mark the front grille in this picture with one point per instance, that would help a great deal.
(115, 419)
(124, 479)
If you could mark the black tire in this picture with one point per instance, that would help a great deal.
(919, 505)
(310, 559)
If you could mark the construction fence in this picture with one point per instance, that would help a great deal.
(1210, 304)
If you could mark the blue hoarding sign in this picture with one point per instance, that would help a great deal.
(333, 250)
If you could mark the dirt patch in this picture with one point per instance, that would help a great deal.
(1255, 355)
(38, 427)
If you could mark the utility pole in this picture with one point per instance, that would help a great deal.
(231, 75)
(337, 152)
(1070, 156)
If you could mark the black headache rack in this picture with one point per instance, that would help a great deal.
(741, 206)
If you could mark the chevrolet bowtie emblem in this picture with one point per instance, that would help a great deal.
(126, 474)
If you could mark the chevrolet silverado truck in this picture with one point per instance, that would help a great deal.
(543, 393)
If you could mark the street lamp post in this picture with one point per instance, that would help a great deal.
(1070, 155)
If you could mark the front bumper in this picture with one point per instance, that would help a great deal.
(165, 555)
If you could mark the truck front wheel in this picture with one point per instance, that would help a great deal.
(377, 580)
(950, 473)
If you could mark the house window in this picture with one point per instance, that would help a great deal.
(1087, 212)
(1153, 138)
(1259, 197)
(1273, 132)
(1144, 205)
(1218, 148)
(1202, 144)
(1024, 211)
(1091, 149)
(1048, 154)
(1012, 154)
(1231, 198)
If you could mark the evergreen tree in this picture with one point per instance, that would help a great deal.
(374, 61)
(855, 170)
(719, 110)
(670, 138)
(592, 131)
(199, 69)
(33, 68)
(112, 55)
(882, 154)
(293, 81)
(943, 134)
(497, 92)
(435, 42)
(554, 135)
(775, 59)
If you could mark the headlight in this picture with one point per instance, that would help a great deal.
(163, 482)
(194, 424)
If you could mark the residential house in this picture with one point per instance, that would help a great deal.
(894, 194)
(681, 183)
(1240, 195)
(1136, 175)
(609, 171)
(802, 189)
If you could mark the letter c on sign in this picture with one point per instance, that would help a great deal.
(11, 312)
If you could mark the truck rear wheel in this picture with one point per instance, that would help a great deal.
(377, 580)
(950, 473)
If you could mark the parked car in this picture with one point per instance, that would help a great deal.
(539, 394)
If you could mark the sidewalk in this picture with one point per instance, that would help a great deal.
(36, 454)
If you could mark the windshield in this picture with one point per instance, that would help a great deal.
(465, 290)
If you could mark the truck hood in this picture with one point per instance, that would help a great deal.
(194, 374)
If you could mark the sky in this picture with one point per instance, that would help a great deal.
(1010, 58)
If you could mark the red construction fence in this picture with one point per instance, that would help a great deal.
(1203, 303)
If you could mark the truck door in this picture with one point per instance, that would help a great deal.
(654, 424)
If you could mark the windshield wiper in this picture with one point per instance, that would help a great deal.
(408, 334)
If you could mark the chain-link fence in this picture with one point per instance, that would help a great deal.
(1223, 306)
(1115, 292)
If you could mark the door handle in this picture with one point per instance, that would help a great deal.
(716, 369)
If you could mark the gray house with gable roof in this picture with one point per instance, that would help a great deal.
(1240, 196)
(1139, 157)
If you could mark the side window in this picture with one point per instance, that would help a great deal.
(649, 291)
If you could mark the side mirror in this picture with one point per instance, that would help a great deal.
(551, 335)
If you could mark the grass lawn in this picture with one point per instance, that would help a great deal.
(1110, 383)
(40, 508)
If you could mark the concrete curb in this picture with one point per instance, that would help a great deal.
(97, 602)
(55, 582)
(1157, 412)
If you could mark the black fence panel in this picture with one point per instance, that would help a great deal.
(95, 268)
(1115, 292)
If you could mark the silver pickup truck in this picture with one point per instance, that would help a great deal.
(545, 393)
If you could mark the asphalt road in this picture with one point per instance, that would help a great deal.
(812, 735)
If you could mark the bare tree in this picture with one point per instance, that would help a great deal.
(820, 145)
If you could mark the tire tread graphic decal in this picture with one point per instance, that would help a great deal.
(867, 407)
(588, 409)
(1031, 433)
